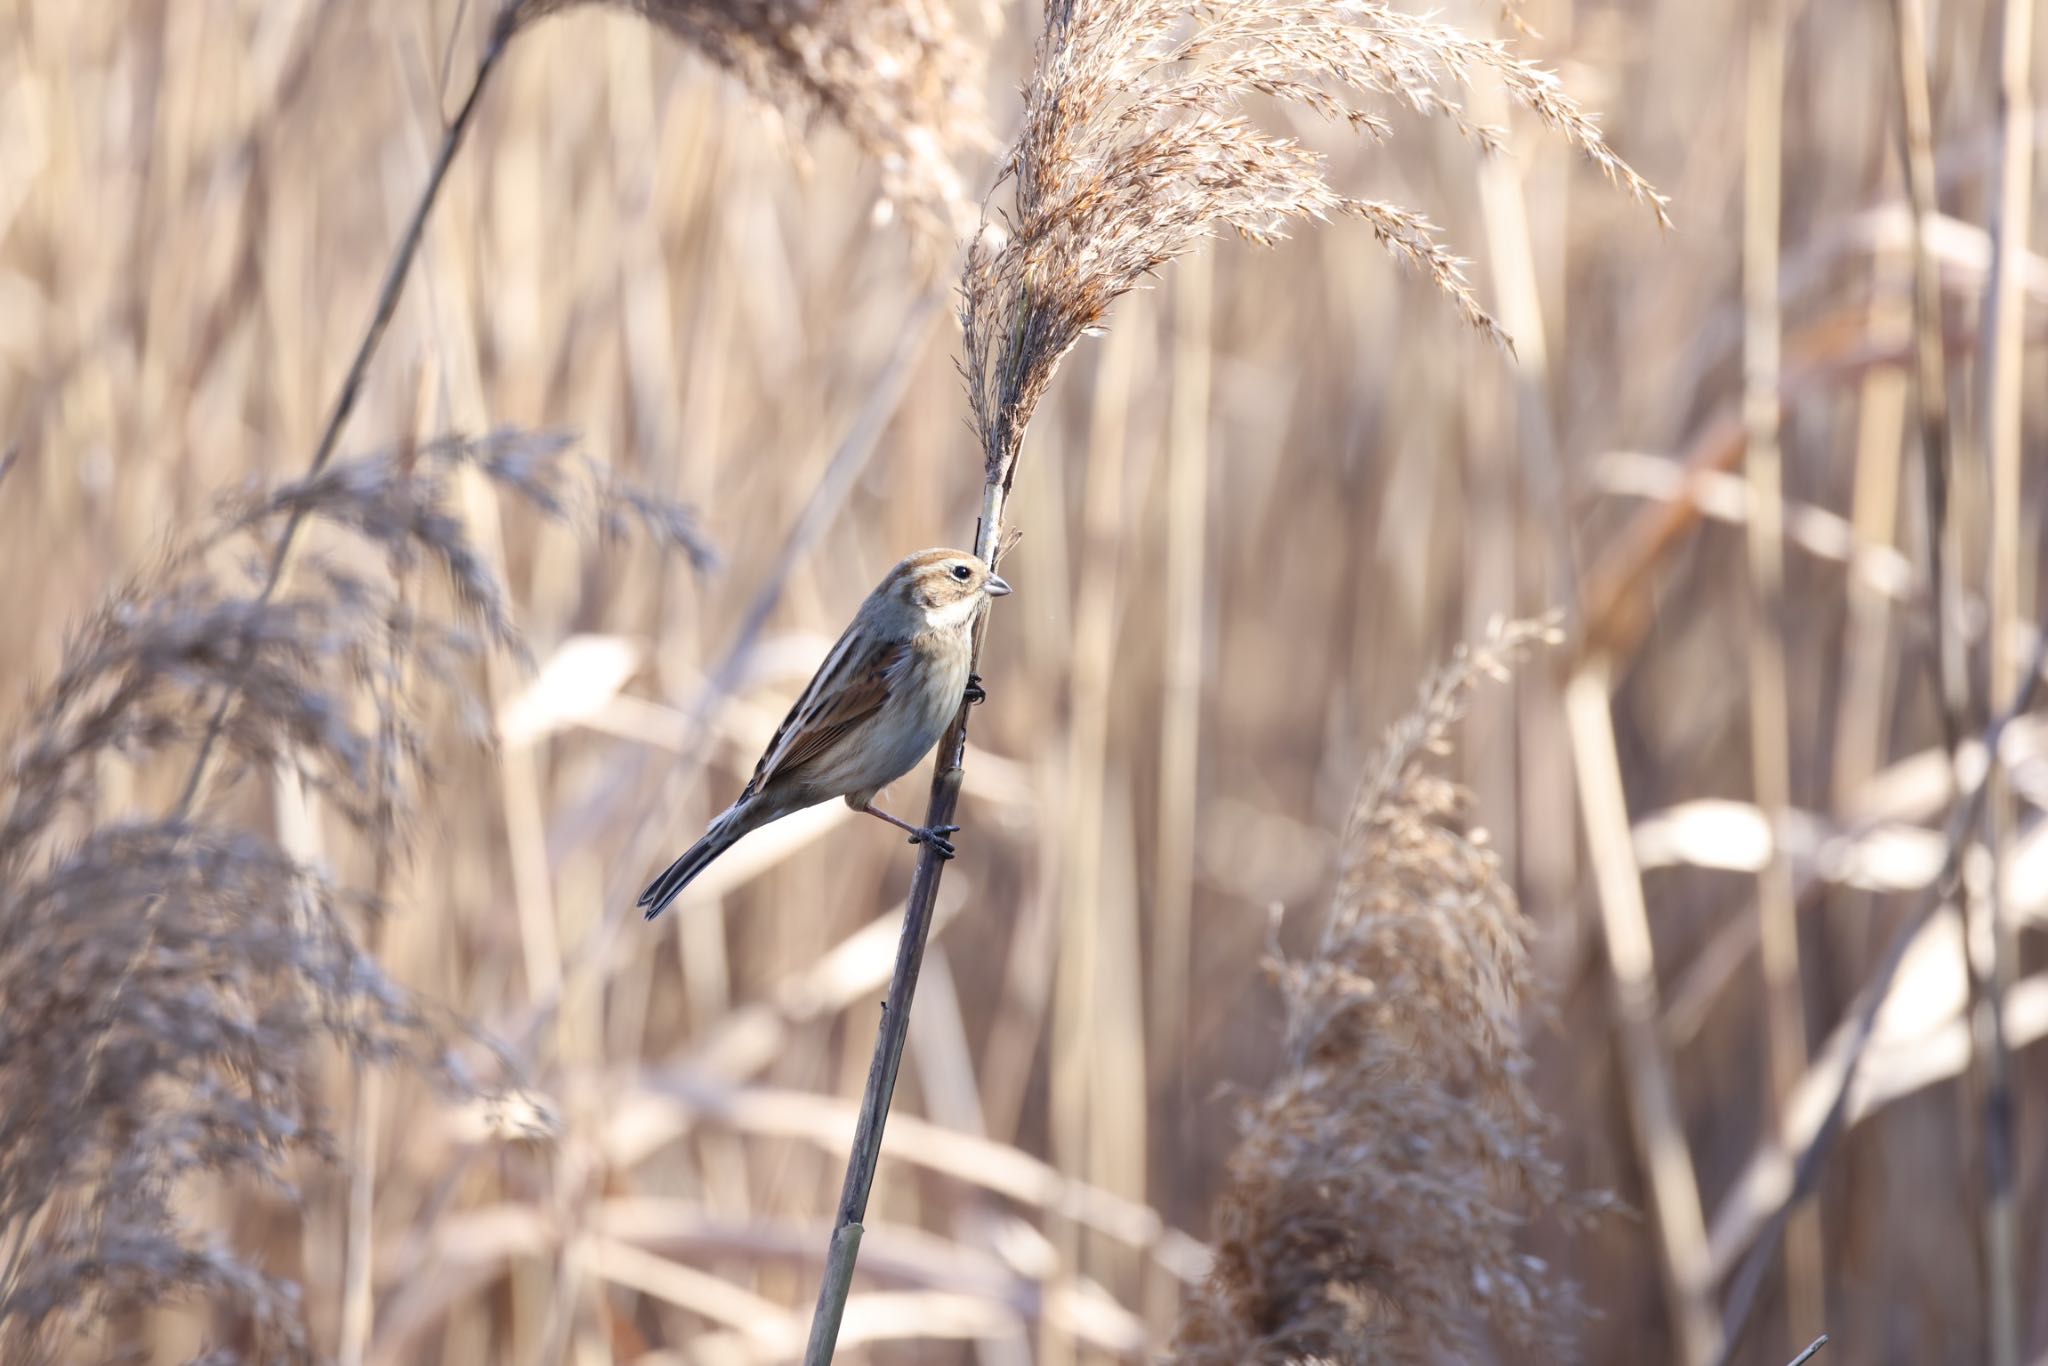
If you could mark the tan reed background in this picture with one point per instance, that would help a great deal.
(1256, 515)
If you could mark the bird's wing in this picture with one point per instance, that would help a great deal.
(851, 686)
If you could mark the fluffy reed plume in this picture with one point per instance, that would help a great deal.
(1372, 1204)
(168, 985)
(897, 74)
(1133, 150)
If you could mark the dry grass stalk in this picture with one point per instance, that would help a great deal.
(1645, 1067)
(897, 74)
(1995, 953)
(1134, 150)
(1770, 723)
(1373, 1203)
(1930, 368)
(143, 1054)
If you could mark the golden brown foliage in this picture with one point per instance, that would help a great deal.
(199, 202)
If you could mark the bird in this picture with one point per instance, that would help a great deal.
(880, 700)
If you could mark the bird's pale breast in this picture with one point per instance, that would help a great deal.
(922, 700)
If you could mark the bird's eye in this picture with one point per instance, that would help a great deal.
(961, 571)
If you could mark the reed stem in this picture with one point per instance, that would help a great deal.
(848, 1225)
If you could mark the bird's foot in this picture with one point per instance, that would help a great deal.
(976, 694)
(935, 836)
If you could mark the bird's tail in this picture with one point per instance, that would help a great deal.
(723, 834)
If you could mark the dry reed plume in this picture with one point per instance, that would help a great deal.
(1371, 1208)
(168, 986)
(897, 74)
(1134, 149)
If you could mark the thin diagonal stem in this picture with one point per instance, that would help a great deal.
(847, 1226)
(1811, 1348)
(1652, 1097)
(352, 383)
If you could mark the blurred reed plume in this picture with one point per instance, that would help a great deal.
(899, 75)
(1372, 1208)
(169, 985)
(1134, 150)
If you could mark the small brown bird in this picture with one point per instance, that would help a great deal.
(878, 702)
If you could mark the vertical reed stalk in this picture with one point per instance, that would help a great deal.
(1930, 366)
(1995, 951)
(1081, 1020)
(1950, 667)
(1180, 704)
(358, 1288)
(358, 1302)
(1981, 962)
(1860, 722)
(1769, 706)
(1543, 846)
(1653, 1102)
(520, 795)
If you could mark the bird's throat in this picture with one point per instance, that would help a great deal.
(953, 615)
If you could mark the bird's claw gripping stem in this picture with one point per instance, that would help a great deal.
(976, 694)
(935, 836)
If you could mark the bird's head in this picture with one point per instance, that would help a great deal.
(947, 586)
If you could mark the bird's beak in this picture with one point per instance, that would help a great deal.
(995, 587)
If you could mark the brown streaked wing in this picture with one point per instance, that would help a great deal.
(851, 686)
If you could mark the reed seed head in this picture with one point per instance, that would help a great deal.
(1135, 147)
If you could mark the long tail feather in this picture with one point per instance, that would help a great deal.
(723, 834)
